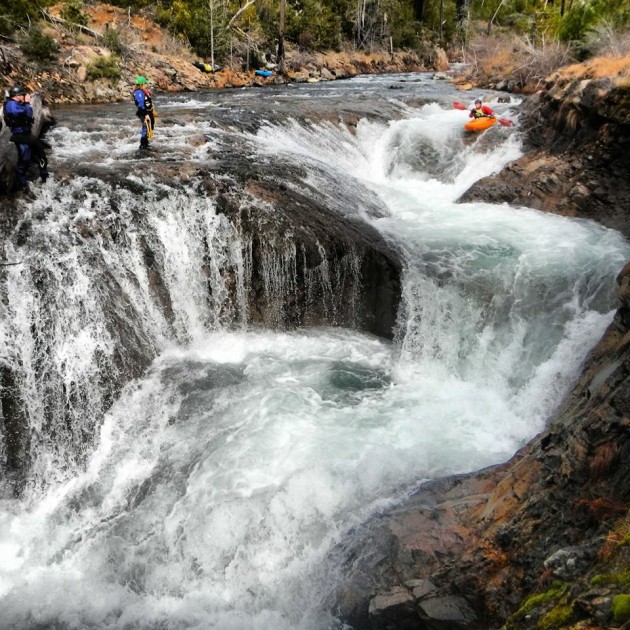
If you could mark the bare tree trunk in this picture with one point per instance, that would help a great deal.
(283, 5)
(211, 3)
(460, 10)
(562, 3)
(495, 15)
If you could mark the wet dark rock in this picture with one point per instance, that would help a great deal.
(295, 221)
(14, 460)
(395, 609)
(446, 613)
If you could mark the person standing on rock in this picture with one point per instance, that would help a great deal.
(18, 117)
(480, 110)
(145, 112)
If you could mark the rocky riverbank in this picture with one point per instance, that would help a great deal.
(542, 541)
(118, 46)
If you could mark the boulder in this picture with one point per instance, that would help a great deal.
(447, 613)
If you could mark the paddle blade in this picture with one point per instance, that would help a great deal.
(458, 105)
(505, 122)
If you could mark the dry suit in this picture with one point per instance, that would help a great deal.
(143, 101)
(19, 118)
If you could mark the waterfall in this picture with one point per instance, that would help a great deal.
(107, 283)
(205, 412)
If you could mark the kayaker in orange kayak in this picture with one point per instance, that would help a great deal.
(480, 110)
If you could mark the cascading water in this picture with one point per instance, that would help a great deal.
(213, 491)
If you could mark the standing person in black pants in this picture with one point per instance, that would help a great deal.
(18, 116)
(145, 111)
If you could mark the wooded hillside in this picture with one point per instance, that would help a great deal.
(218, 29)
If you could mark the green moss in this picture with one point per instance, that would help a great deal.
(534, 601)
(620, 579)
(622, 527)
(556, 618)
(621, 608)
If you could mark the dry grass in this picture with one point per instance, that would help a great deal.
(516, 59)
(618, 536)
(607, 41)
(603, 460)
(616, 68)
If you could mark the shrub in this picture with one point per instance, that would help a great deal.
(541, 60)
(606, 39)
(115, 40)
(36, 45)
(106, 67)
(16, 14)
(517, 58)
(72, 12)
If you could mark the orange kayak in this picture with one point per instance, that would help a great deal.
(479, 124)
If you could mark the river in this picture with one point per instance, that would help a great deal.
(214, 491)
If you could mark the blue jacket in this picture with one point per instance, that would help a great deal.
(18, 116)
(143, 102)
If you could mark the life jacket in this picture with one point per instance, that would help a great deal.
(18, 117)
(148, 103)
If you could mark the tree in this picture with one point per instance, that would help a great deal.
(280, 55)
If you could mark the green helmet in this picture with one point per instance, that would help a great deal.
(141, 80)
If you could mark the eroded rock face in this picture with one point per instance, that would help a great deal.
(577, 151)
(362, 270)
